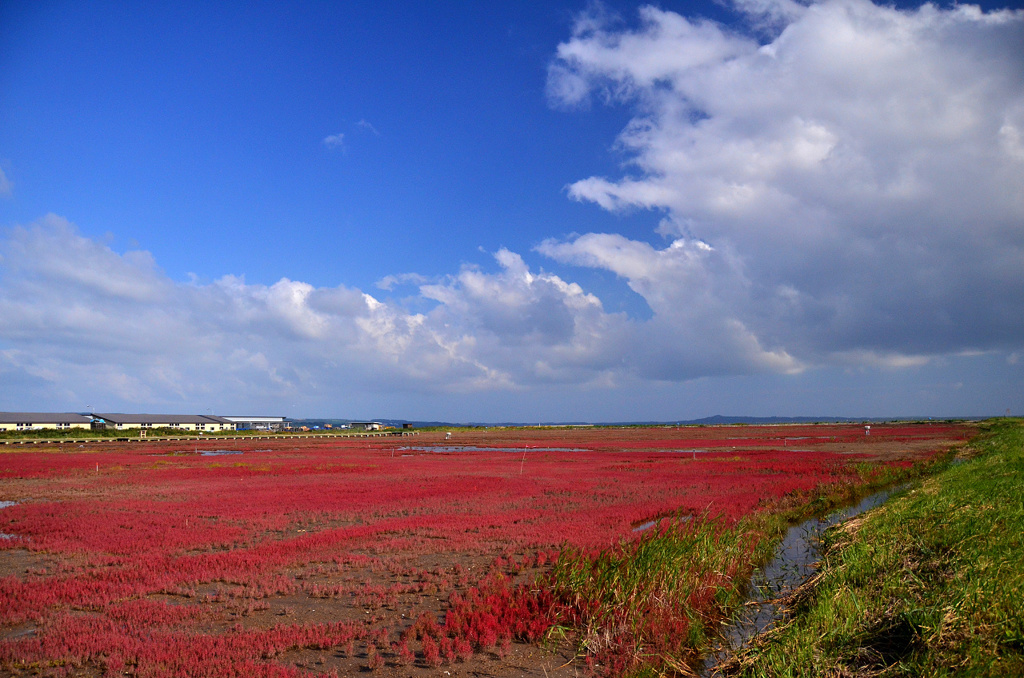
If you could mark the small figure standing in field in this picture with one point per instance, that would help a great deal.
(448, 436)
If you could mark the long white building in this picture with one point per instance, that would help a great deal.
(32, 421)
(184, 422)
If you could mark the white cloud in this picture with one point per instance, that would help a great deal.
(529, 327)
(363, 124)
(692, 290)
(85, 268)
(335, 141)
(886, 361)
(389, 282)
(862, 169)
(90, 322)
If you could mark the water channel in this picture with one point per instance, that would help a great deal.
(795, 560)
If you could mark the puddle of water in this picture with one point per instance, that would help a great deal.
(794, 562)
(4, 535)
(206, 453)
(471, 448)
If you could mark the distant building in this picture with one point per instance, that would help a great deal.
(30, 421)
(259, 423)
(186, 422)
(366, 426)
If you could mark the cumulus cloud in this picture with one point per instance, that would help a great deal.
(530, 327)
(692, 290)
(84, 318)
(857, 175)
(81, 319)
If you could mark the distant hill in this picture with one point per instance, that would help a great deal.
(716, 420)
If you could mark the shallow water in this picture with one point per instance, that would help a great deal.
(471, 448)
(795, 560)
(217, 453)
(3, 505)
(651, 523)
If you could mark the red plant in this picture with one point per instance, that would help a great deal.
(431, 652)
(130, 566)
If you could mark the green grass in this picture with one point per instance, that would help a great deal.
(647, 604)
(931, 584)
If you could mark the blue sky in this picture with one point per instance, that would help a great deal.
(530, 211)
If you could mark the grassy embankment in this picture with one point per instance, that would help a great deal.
(650, 607)
(930, 584)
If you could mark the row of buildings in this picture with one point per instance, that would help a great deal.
(207, 423)
(203, 423)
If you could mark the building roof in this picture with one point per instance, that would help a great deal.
(43, 418)
(119, 418)
(261, 419)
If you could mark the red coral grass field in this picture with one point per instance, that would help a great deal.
(533, 551)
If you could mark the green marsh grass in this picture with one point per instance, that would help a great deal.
(930, 584)
(648, 604)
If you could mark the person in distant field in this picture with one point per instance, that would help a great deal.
(448, 436)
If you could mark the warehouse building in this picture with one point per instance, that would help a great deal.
(186, 422)
(33, 421)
